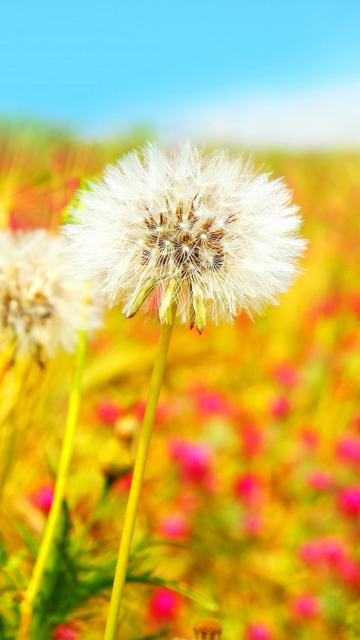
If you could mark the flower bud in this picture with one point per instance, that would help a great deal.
(208, 629)
(126, 428)
(115, 459)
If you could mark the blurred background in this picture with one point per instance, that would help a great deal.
(252, 495)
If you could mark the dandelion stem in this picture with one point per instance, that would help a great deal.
(140, 463)
(47, 542)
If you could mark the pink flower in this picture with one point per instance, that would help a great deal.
(43, 498)
(280, 406)
(174, 526)
(349, 500)
(252, 440)
(320, 480)
(213, 402)
(249, 489)
(108, 411)
(193, 458)
(164, 606)
(177, 447)
(253, 523)
(348, 449)
(287, 375)
(311, 552)
(305, 606)
(64, 632)
(309, 437)
(349, 571)
(324, 550)
(334, 551)
(258, 631)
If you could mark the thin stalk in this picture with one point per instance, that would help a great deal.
(47, 542)
(135, 490)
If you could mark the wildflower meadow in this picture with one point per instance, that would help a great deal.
(248, 510)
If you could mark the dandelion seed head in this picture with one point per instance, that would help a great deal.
(205, 232)
(41, 305)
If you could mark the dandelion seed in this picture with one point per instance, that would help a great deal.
(205, 232)
(41, 305)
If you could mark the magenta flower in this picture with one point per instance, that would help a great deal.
(280, 406)
(253, 523)
(249, 489)
(320, 480)
(349, 571)
(108, 411)
(174, 526)
(252, 440)
(164, 606)
(258, 631)
(193, 458)
(349, 500)
(330, 551)
(334, 551)
(348, 449)
(305, 606)
(311, 552)
(65, 632)
(213, 402)
(43, 498)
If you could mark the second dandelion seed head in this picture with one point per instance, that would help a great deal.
(42, 307)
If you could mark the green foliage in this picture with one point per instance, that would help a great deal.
(7, 596)
(78, 573)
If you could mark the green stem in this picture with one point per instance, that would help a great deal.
(139, 469)
(59, 492)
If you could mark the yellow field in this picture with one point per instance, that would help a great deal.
(252, 492)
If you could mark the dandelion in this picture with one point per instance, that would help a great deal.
(41, 305)
(42, 308)
(200, 236)
(207, 233)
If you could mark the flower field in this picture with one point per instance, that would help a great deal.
(250, 510)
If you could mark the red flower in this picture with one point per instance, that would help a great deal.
(305, 606)
(164, 606)
(108, 411)
(43, 498)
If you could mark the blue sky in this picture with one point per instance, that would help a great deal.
(104, 64)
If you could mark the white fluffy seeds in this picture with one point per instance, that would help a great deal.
(41, 305)
(203, 231)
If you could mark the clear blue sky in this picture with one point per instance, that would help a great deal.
(84, 62)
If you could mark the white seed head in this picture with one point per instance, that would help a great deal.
(204, 232)
(42, 307)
